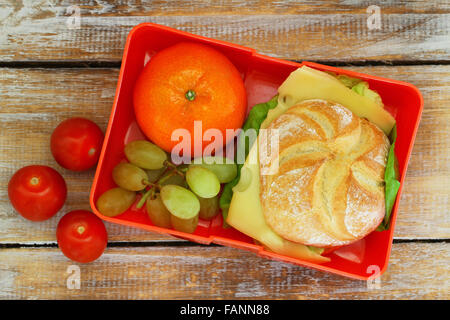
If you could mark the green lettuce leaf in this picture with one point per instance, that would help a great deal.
(347, 81)
(359, 86)
(391, 181)
(362, 88)
(254, 120)
(316, 249)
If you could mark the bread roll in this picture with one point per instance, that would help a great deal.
(329, 187)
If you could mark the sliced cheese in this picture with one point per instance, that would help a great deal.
(245, 214)
(306, 83)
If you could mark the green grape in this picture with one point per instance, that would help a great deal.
(153, 175)
(180, 201)
(225, 172)
(183, 205)
(158, 213)
(176, 179)
(145, 154)
(202, 181)
(130, 177)
(209, 207)
(184, 225)
(115, 201)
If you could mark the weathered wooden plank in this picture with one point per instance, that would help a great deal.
(215, 273)
(314, 30)
(34, 101)
(223, 7)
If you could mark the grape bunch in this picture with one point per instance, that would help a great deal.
(174, 196)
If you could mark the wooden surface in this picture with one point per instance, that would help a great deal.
(49, 73)
(190, 272)
(314, 30)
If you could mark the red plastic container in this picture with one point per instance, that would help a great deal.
(363, 260)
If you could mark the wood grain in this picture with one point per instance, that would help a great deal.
(34, 101)
(215, 273)
(224, 7)
(312, 30)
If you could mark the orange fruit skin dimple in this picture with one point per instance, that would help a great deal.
(160, 101)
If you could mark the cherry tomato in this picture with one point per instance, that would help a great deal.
(81, 236)
(76, 144)
(37, 192)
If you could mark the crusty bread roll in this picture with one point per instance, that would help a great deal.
(329, 188)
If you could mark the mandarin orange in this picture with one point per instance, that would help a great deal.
(184, 83)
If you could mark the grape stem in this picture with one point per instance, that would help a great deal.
(148, 183)
(165, 177)
(161, 174)
(141, 202)
(154, 186)
(174, 167)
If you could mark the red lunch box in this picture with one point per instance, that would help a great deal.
(365, 259)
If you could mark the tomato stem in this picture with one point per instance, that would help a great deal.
(91, 152)
(81, 229)
(190, 95)
(34, 181)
